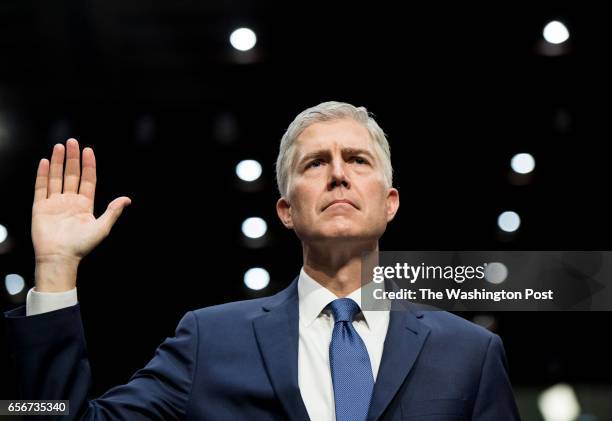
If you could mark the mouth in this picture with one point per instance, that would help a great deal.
(340, 202)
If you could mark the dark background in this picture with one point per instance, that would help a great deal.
(170, 108)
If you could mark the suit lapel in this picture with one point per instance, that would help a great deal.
(403, 343)
(277, 333)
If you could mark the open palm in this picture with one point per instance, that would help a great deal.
(63, 223)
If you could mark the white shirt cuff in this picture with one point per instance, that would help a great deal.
(44, 302)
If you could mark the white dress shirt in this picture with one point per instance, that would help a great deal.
(43, 302)
(315, 330)
(316, 326)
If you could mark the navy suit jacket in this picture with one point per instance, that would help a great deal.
(239, 361)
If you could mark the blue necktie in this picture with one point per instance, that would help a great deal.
(350, 364)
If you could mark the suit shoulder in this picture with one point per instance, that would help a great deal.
(232, 309)
(240, 310)
(443, 322)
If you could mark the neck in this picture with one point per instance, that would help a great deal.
(336, 267)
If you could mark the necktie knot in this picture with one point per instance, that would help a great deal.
(344, 309)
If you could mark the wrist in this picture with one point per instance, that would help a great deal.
(57, 274)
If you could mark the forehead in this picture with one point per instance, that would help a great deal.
(344, 133)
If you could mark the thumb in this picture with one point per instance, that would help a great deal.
(112, 213)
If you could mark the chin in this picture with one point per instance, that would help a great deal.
(340, 232)
(349, 231)
(340, 228)
(337, 230)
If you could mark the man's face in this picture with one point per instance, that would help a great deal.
(336, 185)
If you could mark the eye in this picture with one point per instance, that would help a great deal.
(315, 163)
(359, 160)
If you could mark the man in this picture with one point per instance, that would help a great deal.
(308, 352)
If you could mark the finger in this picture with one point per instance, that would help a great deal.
(42, 176)
(56, 171)
(72, 175)
(88, 178)
(113, 212)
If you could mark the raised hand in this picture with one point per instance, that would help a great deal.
(64, 228)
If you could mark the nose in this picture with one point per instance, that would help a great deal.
(338, 176)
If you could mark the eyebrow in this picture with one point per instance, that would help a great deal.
(345, 151)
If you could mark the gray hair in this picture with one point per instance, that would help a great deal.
(326, 111)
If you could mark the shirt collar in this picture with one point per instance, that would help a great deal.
(313, 298)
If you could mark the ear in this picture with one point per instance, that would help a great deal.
(283, 210)
(392, 203)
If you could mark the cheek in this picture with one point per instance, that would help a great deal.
(302, 202)
(376, 200)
